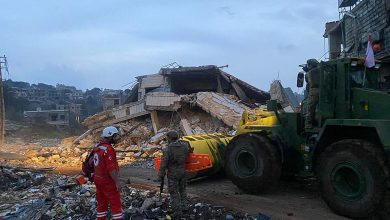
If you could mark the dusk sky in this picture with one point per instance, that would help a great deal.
(105, 44)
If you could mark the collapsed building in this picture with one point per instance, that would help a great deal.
(178, 93)
(189, 80)
(191, 100)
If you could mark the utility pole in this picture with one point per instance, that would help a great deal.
(3, 65)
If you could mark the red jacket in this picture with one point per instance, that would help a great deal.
(104, 159)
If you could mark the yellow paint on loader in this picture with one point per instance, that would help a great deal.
(251, 120)
(215, 144)
(211, 144)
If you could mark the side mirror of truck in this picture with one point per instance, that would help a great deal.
(300, 79)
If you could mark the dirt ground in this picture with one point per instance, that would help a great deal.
(289, 200)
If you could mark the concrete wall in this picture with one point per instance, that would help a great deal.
(163, 101)
(110, 102)
(53, 117)
(372, 18)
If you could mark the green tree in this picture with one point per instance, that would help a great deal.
(14, 106)
(22, 85)
(95, 92)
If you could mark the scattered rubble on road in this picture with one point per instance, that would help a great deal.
(32, 194)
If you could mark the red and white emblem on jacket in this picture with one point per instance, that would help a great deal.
(96, 160)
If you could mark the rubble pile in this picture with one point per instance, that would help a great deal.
(38, 156)
(142, 137)
(132, 148)
(32, 195)
(151, 205)
(28, 194)
(140, 142)
(222, 106)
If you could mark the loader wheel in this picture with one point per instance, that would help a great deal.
(352, 178)
(252, 163)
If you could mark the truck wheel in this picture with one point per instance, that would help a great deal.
(252, 163)
(352, 178)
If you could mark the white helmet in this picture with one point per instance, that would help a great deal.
(109, 131)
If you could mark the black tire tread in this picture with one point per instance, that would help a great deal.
(373, 156)
(275, 167)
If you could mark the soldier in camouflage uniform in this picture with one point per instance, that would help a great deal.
(312, 87)
(174, 158)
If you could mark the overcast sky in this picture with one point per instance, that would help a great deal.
(105, 44)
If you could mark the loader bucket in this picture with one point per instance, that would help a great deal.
(194, 162)
(208, 153)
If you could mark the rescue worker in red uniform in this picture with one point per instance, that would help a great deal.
(106, 175)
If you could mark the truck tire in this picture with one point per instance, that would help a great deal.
(252, 163)
(352, 178)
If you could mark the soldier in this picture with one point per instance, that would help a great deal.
(312, 87)
(174, 158)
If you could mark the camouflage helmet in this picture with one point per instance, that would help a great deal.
(172, 135)
(312, 63)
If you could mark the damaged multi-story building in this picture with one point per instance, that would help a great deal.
(56, 117)
(360, 19)
(60, 116)
(188, 80)
(205, 88)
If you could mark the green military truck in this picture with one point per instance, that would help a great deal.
(347, 147)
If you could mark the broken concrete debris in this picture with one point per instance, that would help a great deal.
(172, 88)
(185, 127)
(36, 195)
(157, 99)
(285, 96)
(144, 136)
(224, 107)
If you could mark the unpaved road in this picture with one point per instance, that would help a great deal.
(289, 200)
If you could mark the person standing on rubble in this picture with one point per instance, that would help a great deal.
(312, 87)
(173, 161)
(106, 175)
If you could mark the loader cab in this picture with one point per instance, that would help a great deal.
(338, 78)
(360, 77)
(346, 86)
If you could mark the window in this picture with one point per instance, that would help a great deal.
(357, 78)
(54, 117)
